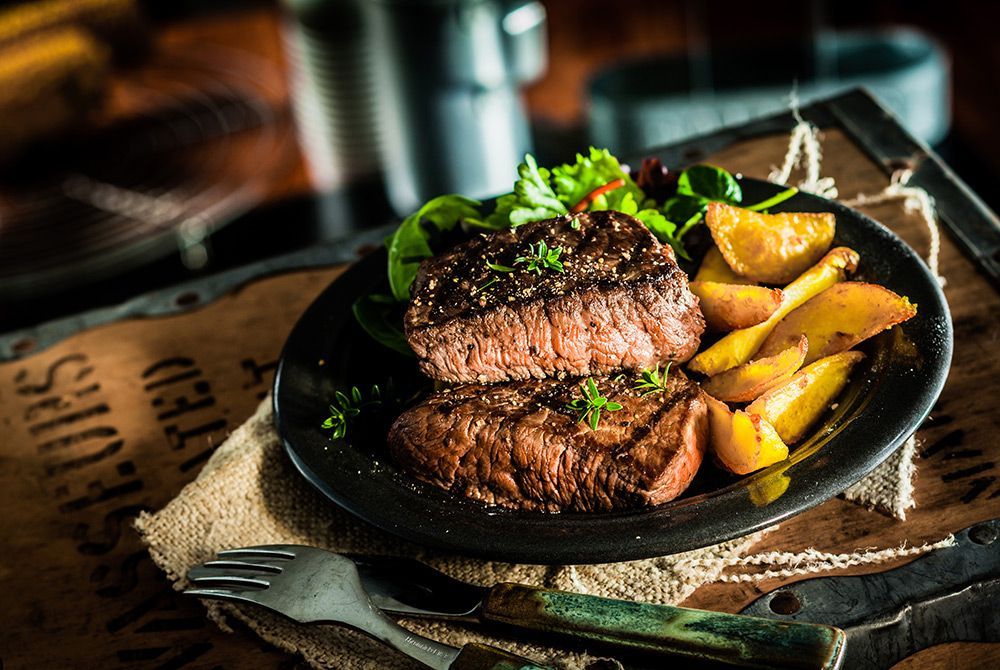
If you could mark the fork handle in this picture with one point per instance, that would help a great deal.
(716, 636)
(474, 656)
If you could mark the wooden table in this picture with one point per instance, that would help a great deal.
(117, 418)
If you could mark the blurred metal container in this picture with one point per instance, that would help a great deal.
(660, 100)
(425, 91)
(451, 113)
(330, 52)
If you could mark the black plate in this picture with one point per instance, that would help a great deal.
(887, 400)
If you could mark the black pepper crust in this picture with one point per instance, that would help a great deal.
(606, 249)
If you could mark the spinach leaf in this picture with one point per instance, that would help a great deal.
(382, 317)
(680, 208)
(410, 244)
(696, 187)
(711, 183)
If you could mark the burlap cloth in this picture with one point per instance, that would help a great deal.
(248, 493)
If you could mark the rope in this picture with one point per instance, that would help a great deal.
(811, 561)
(914, 199)
(804, 143)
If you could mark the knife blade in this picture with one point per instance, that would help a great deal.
(948, 595)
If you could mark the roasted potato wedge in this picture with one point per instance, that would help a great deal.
(839, 318)
(769, 248)
(732, 306)
(750, 380)
(794, 406)
(742, 442)
(714, 268)
(737, 347)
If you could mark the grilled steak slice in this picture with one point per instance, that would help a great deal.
(517, 445)
(620, 303)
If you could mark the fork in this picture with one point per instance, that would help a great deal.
(310, 585)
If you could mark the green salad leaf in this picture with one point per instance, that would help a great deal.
(711, 183)
(662, 227)
(573, 183)
(532, 200)
(411, 243)
(696, 187)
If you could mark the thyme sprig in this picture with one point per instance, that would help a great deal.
(541, 257)
(590, 406)
(496, 267)
(479, 289)
(651, 381)
(346, 407)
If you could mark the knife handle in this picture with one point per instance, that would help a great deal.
(475, 656)
(662, 629)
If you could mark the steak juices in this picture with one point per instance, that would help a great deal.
(520, 337)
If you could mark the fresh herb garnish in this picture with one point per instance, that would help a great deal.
(591, 405)
(480, 289)
(541, 257)
(346, 407)
(651, 381)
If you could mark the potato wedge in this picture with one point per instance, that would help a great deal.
(742, 442)
(732, 306)
(713, 268)
(750, 380)
(793, 407)
(769, 248)
(737, 347)
(839, 318)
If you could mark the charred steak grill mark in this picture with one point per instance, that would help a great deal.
(620, 302)
(516, 444)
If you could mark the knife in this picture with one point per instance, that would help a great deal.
(410, 588)
(948, 595)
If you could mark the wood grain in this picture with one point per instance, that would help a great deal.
(117, 419)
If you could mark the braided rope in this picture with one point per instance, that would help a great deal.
(914, 199)
(804, 142)
(812, 560)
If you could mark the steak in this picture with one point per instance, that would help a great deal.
(517, 445)
(621, 302)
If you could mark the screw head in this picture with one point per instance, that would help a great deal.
(984, 533)
(785, 602)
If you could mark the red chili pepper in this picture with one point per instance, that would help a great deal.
(597, 193)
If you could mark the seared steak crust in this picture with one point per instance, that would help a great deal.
(621, 303)
(517, 445)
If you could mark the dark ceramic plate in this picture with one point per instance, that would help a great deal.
(888, 398)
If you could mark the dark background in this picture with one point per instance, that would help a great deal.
(584, 36)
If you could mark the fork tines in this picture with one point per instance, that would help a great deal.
(237, 573)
